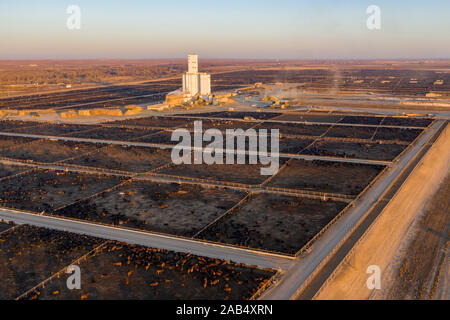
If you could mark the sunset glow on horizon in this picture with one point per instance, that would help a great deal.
(285, 29)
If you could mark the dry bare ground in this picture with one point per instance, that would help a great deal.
(423, 272)
(386, 242)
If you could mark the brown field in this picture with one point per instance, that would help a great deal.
(47, 129)
(351, 132)
(274, 222)
(329, 177)
(293, 145)
(166, 208)
(222, 124)
(29, 255)
(8, 170)
(4, 226)
(295, 129)
(373, 151)
(124, 158)
(118, 134)
(310, 117)
(238, 115)
(362, 120)
(408, 122)
(47, 151)
(159, 122)
(10, 142)
(407, 135)
(45, 190)
(9, 125)
(424, 263)
(163, 137)
(124, 272)
(236, 173)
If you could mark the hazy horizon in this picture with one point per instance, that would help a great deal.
(268, 30)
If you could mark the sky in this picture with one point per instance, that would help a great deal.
(258, 29)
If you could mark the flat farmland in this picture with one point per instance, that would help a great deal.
(274, 222)
(372, 151)
(29, 255)
(112, 133)
(129, 272)
(46, 190)
(328, 177)
(48, 151)
(9, 170)
(124, 158)
(167, 208)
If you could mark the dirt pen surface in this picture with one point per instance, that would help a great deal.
(29, 255)
(53, 129)
(249, 174)
(236, 115)
(118, 134)
(9, 170)
(158, 122)
(162, 137)
(12, 142)
(274, 222)
(124, 158)
(406, 135)
(362, 120)
(351, 132)
(4, 226)
(293, 145)
(47, 151)
(167, 208)
(308, 117)
(129, 272)
(407, 122)
(222, 124)
(295, 129)
(8, 125)
(328, 177)
(46, 190)
(372, 151)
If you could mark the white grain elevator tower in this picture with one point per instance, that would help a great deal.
(194, 82)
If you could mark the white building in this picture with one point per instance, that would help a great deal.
(194, 82)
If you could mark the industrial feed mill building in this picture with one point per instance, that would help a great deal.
(194, 82)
